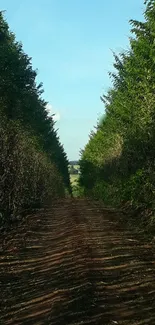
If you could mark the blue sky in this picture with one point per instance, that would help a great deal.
(70, 43)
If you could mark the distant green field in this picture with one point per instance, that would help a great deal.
(76, 166)
(73, 179)
(73, 168)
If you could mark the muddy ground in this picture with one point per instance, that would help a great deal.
(76, 264)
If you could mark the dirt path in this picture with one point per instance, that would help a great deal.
(74, 264)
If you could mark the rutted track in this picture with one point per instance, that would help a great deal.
(74, 264)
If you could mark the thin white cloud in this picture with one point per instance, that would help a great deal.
(56, 116)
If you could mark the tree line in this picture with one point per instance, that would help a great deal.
(118, 163)
(33, 163)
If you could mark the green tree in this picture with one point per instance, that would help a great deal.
(24, 114)
(120, 154)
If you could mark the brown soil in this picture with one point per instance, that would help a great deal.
(76, 264)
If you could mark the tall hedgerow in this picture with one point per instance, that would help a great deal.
(34, 166)
(118, 163)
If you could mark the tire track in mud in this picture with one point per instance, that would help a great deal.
(75, 264)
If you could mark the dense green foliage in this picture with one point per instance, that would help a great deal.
(118, 163)
(33, 164)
